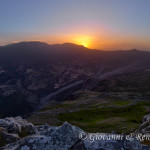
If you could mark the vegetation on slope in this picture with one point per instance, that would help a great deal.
(96, 112)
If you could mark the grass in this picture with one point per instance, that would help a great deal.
(100, 119)
(121, 103)
(94, 113)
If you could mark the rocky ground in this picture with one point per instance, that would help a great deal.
(18, 134)
(95, 90)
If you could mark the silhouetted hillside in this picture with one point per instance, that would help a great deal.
(30, 71)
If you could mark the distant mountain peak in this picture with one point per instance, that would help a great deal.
(27, 43)
(38, 43)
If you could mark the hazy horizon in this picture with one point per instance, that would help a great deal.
(75, 44)
(96, 24)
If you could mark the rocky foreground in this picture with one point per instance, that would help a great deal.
(18, 134)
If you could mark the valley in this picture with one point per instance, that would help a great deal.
(96, 90)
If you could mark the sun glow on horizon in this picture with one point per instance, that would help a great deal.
(83, 40)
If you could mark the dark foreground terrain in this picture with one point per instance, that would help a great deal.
(18, 134)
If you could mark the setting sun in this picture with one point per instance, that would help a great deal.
(84, 44)
(83, 40)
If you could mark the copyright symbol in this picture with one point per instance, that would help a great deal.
(83, 136)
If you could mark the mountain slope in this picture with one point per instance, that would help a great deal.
(30, 71)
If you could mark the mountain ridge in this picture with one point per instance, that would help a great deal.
(61, 44)
(32, 70)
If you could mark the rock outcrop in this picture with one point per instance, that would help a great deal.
(6, 138)
(145, 126)
(18, 125)
(64, 137)
(12, 129)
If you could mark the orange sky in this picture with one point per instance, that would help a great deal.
(93, 41)
(103, 42)
(92, 35)
(97, 24)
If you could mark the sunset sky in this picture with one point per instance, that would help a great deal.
(100, 24)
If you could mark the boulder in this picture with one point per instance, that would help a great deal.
(18, 126)
(67, 137)
(145, 126)
(6, 138)
(53, 138)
